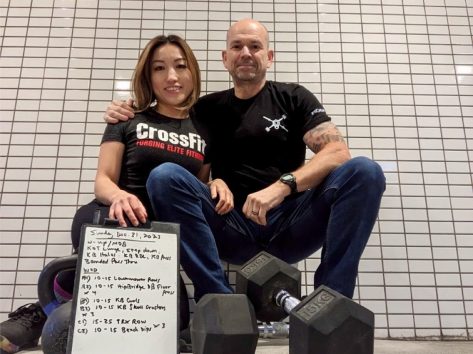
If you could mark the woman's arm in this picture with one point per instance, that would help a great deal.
(204, 173)
(218, 190)
(106, 188)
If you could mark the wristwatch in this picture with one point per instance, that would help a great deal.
(290, 180)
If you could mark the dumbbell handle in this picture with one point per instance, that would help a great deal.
(273, 330)
(286, 301)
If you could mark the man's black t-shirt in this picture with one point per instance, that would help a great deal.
(251, 143)
(151, 139)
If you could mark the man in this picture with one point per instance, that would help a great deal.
(256, 136)
(262, 195)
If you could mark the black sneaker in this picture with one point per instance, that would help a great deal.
(22, 329)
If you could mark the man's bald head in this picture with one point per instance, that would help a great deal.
(248, 25)
(247, 56)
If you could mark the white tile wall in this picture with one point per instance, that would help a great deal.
(395, 75)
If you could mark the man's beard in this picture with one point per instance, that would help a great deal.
(245, 76)
(248, 76)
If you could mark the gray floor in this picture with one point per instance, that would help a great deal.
(381, 347)
(388, 347)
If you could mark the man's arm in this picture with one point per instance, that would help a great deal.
(119, 111)
(330, 151)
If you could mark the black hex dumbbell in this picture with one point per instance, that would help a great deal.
(325, 322)
(261, 278)
(224, 324)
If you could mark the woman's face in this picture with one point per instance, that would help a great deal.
(171, 79)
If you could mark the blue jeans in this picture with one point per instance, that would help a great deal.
(337, 216)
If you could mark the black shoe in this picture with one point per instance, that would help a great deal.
(22, 329)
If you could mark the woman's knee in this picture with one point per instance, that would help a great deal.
(166, 179)
(85, 215)
(165, 174)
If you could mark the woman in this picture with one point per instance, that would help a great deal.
(165, 83)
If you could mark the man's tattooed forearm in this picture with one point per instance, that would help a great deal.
(321, 135)
(322, 140)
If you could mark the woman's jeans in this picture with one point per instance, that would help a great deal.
(338, 216)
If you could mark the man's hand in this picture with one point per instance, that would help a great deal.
(124, 203)
(119, 111)
(218, 188)
(259, 203)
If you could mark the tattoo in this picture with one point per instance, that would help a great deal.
(321, 135)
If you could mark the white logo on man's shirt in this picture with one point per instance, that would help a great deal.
(317, 110)
(275, 123)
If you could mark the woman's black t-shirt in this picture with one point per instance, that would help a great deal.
(151, 139)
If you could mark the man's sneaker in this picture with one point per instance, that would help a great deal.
(22, 329)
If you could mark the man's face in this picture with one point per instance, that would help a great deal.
(247, 56)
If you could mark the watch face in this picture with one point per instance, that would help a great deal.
(290, 180)
(287, 178)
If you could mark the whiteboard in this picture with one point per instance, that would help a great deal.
(126, 291)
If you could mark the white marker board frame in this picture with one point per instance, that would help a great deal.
(126, 291)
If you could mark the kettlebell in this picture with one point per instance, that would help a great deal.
(56, 329)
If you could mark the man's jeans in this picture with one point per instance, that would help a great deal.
(338, 215)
